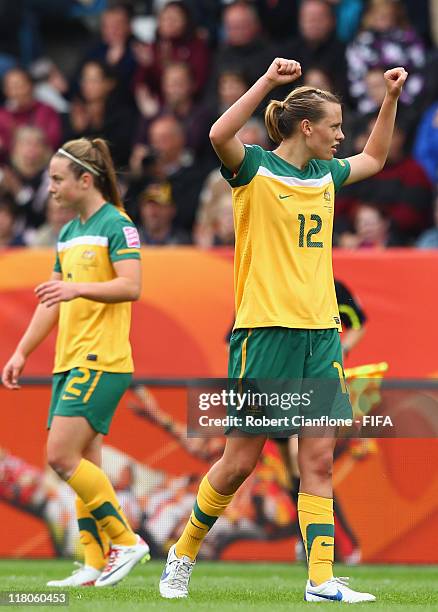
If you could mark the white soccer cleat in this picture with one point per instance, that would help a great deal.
(82, 577)
(174, 581)
(121, 561)
(335, 589)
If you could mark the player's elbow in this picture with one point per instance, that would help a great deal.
(213, 137)
(375, 163)
(217, 136)
(132, 291)
(379, 164)
(135, 293)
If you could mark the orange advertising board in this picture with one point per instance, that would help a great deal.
(389, 493)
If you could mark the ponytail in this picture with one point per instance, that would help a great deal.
(110, 189)
(272, 118)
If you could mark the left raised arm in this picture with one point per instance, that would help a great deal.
(126, 287)
(373, 157)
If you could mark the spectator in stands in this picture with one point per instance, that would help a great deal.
(157, 211)
(426, 143)
(223, 221)
(317, 45)
(375, 92)
(178, 89)
(386, 38)
(26, 177)
(116, 45)
(50, 84)
(429, 238)
(8, 235)
(56, 217)
(21, 108)
(98, 111)
(176, 40)
(244, 46)
(401, 190)
(231, 85)
(214, 218)
(372, 229)
(167, 158)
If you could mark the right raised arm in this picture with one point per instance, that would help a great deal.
(43, 321)
(223, 132)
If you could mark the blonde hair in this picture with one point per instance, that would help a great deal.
(96, 158)
(283, 116)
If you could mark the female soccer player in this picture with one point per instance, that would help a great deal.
(283, 211)
(96, 275)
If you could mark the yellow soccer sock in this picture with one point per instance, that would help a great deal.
(94, 540)
(96, 491)
(209, 505)
(317, 525)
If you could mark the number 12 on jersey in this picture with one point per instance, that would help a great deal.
(312, 231)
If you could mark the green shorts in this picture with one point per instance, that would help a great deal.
(295, 373)
(92, 394)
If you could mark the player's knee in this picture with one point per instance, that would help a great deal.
(323, 466)
(320, 465)
(241, 468)
(60, 462)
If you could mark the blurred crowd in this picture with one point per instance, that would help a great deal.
(152, 76)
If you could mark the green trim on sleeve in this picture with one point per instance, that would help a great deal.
(340, 171)
(127, 254)
(248, 168)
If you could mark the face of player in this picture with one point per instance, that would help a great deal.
(324, 136)
(64, 187)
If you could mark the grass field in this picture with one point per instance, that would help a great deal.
(223, 587)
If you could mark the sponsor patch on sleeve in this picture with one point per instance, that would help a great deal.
(132, 237)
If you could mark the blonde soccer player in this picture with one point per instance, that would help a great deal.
(96, 276)
(283, 213)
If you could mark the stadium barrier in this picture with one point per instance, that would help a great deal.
(387, 488)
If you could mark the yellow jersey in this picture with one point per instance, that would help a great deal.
(283, 221)
(93, 334)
